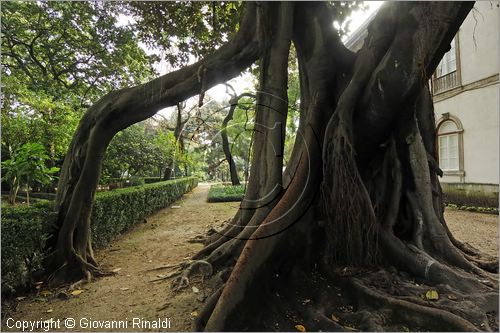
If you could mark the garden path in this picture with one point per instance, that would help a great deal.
(130, 294)
(164, 240)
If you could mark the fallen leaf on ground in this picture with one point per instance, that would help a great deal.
(195, 290)
(76, 292)
(300, 328)
(335, 318)
(432, 295)
(452, 297)
(194, 314)
(116, 270)
(175, 207)
(49, 311)
(350, 327)
(45, 293)
(124, 288)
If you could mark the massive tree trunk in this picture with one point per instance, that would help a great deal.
(360, 206)
(374, 165)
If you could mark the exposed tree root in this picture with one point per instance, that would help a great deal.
(201, 321)
(375, 163)
(409, 312)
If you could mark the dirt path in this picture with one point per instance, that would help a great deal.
(478, 229)
(163, 240)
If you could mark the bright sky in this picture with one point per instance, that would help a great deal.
(244, 82)
(358, 17)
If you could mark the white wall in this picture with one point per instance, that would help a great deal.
(478, 112)
(478, 40)
(477, 109)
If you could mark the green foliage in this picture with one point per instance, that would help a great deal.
(221, 193)
(144, 149)
(57, 59)
(486, 210)
(27, 166)
(184, 29)
(151, 180)
(26, 229)
(24, 234)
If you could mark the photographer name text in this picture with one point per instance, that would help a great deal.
(86, 323)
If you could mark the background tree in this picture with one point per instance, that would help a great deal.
(143, 149)
(58, 57)
(27, 167)
(363, 195)
(233, 103)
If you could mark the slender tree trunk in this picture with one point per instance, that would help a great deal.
(28, 191)
(225, 141)
(14, 189)
(167, 173)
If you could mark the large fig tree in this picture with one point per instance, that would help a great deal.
(360, 208)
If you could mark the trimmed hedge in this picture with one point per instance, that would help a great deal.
(26, 229)
(150, 180)
(115, 211)
(221, 193)
(24, 233)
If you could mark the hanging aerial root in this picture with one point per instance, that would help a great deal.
(351, 226)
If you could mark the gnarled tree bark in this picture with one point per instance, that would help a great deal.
(360, 206)
(119, 109)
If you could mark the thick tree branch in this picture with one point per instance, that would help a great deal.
(423, 34)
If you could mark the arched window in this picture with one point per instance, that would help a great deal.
(450, 144)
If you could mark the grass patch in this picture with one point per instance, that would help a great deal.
(485, 210)
(222, 193)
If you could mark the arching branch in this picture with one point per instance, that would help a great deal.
(120, 109)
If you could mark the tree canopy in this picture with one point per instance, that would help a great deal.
(57, 58)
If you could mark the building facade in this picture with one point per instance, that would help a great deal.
(465, 91)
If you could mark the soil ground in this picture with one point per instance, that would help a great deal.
(164, 240)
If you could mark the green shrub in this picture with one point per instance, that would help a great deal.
(221, 193)
(150, 180)
(26, 229)
(24, 233)
(134, 181)
(115, 211)
(486, 210)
